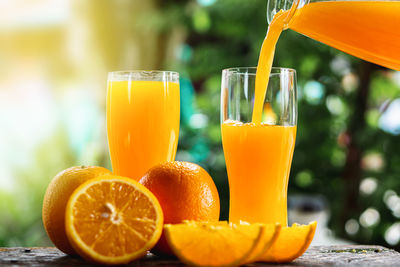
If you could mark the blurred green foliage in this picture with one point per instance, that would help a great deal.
(20, 209)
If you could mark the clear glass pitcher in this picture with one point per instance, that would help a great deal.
(368, 29)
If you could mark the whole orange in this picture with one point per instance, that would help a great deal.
(185, 192)
(56, 198)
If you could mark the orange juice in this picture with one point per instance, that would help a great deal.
(142, 125)
(258, 159)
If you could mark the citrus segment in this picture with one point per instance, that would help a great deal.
(56, 198)
(113, 220)
(269, 237)
(205, 223)
(291, 243)
(212, 244)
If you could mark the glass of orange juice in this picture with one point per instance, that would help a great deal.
(142, 120)
(258, 155)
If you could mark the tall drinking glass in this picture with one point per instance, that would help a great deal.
(258, 156)
(142, 120)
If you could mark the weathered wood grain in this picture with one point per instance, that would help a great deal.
(338, 256)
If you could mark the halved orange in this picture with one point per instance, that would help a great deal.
(113, 220)
(212, 244)
(269, 237)
(292, 242)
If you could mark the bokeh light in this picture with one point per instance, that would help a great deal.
(392, 234)
(368, 185)
(370, 217)
(390, 119)
(352, 227)
(313, 92)
(335, 105)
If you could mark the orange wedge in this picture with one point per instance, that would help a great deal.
(269, 237)
(292, 243)
(205, 223)
(213, 244)
(113, 220)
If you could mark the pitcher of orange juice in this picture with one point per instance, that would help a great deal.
(367, 29)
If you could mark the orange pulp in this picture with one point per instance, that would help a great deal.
(258, 159)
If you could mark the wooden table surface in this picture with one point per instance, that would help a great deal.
(315, 256)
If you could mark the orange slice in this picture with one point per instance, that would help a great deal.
(113, 220)
(292, 242)
(205, 223)
(212, 244)
(269, 237)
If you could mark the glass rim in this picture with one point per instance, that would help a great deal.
(143, 75)
(244, 70)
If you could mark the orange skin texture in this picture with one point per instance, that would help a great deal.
(56, 198)
(185, 192)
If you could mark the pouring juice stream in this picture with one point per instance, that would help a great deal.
(265, 64)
